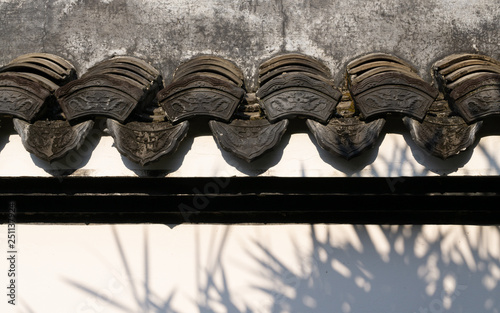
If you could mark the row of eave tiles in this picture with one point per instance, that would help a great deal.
(53, 110)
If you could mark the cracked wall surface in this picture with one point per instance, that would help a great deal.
(248, 31)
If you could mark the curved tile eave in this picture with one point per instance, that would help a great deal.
(459, 80)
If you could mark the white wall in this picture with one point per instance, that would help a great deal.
(255, 268)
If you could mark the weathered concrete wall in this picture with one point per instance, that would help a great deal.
(167, 32)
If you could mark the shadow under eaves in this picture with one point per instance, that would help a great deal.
(435, 164)
(171, 162)
(354, 165)
(453, 163)
(73, 159)
(459, 160)
(265, 161)
(164, 165)
(6, 129)
(298, 126)
(383, 269)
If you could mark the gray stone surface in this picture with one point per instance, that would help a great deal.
(167, 32)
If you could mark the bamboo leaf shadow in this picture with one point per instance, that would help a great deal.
(371, 277)
(151, 302)
(367, 273)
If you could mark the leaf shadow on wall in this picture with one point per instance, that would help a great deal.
(144, 299)
(335, 268)
(379, 269)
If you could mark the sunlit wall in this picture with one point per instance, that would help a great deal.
(256, 268)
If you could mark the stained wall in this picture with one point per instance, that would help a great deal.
(166, 33)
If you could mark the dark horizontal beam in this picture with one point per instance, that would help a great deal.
(408, 200)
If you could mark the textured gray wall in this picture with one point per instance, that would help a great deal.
(167, 32)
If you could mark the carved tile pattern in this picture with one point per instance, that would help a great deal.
(102, 102)
(396, 99)
(393, 92)
(144, 143)
(98, 95)
(441, 133)
(346, 136)
(51, 140)
(19, 103)
(20, 97)
(199, 95)
(479, 104)
(297, 94)
(248, 139)
(199, 101)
